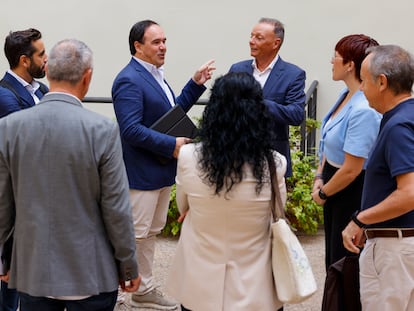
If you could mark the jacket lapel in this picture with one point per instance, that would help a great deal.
(20, 89)
(147, 76)
(274, 76)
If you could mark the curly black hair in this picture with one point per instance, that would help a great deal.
(236, 128)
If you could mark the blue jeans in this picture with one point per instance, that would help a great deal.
(9, 298)
(101, 302)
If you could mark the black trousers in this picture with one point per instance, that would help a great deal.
(100, 302)
(337, 212)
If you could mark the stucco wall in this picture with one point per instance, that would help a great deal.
(200, 30)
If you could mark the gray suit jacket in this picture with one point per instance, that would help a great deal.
(63, 184)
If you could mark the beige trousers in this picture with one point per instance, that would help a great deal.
(149, 212)
(387, 274)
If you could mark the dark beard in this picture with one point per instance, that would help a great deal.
(36, 71)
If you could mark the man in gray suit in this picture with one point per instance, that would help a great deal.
(63, 186)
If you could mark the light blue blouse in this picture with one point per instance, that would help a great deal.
(353, 130)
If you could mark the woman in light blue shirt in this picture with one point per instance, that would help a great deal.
(348, 133)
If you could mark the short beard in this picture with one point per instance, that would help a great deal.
(36, 72)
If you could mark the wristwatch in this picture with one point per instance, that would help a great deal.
(355, 219)
(322, 194)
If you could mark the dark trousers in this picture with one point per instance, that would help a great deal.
(101, 302)
(337, 212)
(9, 298)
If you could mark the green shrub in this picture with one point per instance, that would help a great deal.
(172, 227)
(303, 213)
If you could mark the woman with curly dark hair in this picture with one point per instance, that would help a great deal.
(223, 259)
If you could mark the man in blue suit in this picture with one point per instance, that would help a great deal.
(27, 57)
(283, 83)
(141, 96)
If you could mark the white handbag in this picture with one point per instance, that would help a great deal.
(292, 272)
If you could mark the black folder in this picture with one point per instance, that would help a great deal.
(176, 123)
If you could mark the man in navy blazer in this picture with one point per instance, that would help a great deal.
(283, 83)
(27, 57)
(141, 96)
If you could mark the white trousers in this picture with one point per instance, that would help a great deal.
(387, 274)
(149, 211)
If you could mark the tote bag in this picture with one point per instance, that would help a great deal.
(292, 272)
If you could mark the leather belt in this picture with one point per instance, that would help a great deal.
(389, 233)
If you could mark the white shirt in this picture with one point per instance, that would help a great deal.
(158, 74)
(30, 87)
(261, 76)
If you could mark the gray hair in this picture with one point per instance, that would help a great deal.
(68, 60)
(396, 64)
(279, 29)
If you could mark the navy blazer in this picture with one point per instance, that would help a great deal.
(285, 96)
(139, 101)
(9, 102)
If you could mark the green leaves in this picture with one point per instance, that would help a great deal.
(172, 226)
(303, 213)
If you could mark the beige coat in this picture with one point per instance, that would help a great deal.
(222, 260)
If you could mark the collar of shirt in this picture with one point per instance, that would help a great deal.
(261, 76)
(158, 74)
(34, 84)
(30, 87)
(151, 68)
(77, 99)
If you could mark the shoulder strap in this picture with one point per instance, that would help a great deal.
(276, 201)
(8, 86)
(43, 88)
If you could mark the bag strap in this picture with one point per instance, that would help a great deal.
(43, 88)
(277, 208)
(8, 86)
(3, 83)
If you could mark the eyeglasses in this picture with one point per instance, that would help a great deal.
(336, 57)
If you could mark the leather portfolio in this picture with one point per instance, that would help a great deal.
(176, 123)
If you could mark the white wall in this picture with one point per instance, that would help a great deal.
(199, 30)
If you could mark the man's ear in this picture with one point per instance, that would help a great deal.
(87, 76)
(382, 82)
(137, 46)
(86, 81)
(277, 43)
(24, 60)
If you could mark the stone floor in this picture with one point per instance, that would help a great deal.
(314, 248)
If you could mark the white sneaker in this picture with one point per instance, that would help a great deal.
(153, 300)
(122, 306)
